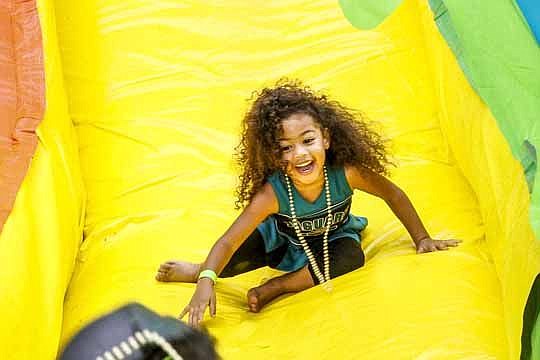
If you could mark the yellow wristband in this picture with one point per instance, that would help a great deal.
(208, 274)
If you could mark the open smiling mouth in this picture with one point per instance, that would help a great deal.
(305, 167)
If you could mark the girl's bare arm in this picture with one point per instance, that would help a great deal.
(375, 184)
(263, 204)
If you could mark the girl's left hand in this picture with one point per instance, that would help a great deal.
(429, 245)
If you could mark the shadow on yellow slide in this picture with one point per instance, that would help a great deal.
(156, 91)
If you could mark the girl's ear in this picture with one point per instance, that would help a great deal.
(326, 139)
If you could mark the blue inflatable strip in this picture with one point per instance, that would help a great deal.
(531, 11)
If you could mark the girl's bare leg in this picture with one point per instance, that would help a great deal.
(291, 282)
(179, 271)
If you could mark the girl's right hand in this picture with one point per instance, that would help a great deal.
(204, 296)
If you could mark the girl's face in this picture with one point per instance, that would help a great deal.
(303, 147)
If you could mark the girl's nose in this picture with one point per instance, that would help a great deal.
(300, 151)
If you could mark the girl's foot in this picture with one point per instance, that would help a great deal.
(259, 296)
(180, 271)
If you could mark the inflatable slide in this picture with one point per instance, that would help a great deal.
(118, 122)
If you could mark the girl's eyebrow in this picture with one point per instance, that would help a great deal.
(302, 134)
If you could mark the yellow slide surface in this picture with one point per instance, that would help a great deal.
(157, 89)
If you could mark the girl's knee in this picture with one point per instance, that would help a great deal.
(347, 262)
(236, 269)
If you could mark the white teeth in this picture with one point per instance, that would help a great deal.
(304, 164)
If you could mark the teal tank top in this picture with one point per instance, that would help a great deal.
(277, 230)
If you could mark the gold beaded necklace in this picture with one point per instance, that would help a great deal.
(324, 279)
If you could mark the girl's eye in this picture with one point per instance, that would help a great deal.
(286, 148)
(309, 140)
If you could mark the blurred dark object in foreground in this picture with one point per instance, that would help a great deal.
(134, 332)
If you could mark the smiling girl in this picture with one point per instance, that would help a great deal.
(302, 156)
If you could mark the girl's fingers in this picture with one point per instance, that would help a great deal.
(436, 245)
(441, 245)
(183, 313)
(192, 317)
(213, 305)
(424, 249)
(196, 319)
(199, 314)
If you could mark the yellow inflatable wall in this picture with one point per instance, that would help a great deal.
(156, 90)
(41, 237)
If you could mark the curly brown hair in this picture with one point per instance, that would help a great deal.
(352, 141)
